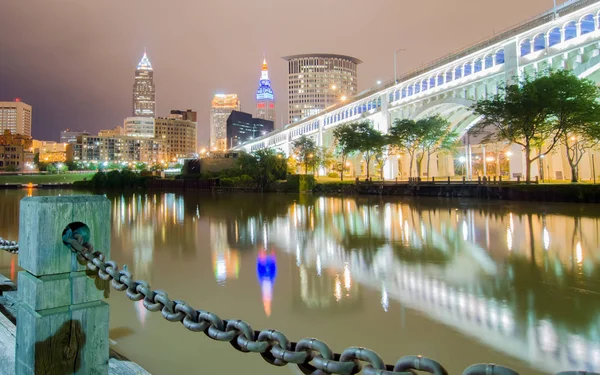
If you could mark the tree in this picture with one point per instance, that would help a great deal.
(263, 166)
(575, 112)
(305, 149)
(382, 155)
(438, 137)
(323, 157)
(519, 114)
(346, 143)
(407, 136)
(371, 143)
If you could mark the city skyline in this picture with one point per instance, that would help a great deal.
(41, 54)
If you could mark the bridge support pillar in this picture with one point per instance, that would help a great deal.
(516, 162)
(391, 168)
(446, 166)
(62, 323)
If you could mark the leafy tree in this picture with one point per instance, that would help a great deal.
(323, 158)
(437, 138)
(519, 114)
(263, 166)
(575, 112)
(51, 168)
(305, 148)
(347, 143)
(372, 142)
(382, 155)
(42, 166)
(36, 158)
(292, 165)
(407, 136)
(72, 166)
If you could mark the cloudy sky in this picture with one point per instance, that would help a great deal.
(74, 60)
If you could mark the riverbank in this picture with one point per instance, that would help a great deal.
(44, 178)
(117, 364)
(491, 190)
(571, 193)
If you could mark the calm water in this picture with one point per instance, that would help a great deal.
(459, 281)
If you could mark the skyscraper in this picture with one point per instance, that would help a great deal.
(16, 117)
(265, 100)
(317, 81)
(221, 107)
(143, 89)
(242, 127)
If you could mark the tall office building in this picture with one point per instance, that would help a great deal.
(221, 107)
(16, 117)
(265, 100)
(178, 136)
(143, 89)
(316, 81)
(242, 127)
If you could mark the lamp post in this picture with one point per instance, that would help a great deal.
(395, 53)
(594, 168)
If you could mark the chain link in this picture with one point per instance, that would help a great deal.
(310, 355)
(10, 246)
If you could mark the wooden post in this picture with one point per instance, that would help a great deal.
(62, 324)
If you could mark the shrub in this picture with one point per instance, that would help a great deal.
(333, 174)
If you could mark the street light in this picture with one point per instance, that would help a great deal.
(395, 53)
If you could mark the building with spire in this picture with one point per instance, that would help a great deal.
(265, 100)
(143, 89)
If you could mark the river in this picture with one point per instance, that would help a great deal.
(460, 281)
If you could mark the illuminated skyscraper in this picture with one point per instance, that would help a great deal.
(143, 89)
(265, 101)
(221, 107)
(317, 81)
(16, 117)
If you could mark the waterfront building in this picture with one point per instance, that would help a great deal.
(143, 89)
(116, 149)
(16, 117)
(242, 127)
(265, 99)
(178, 136)
(319, 80)
(50, 151)
(15, 151)
(70, 136)
(117, 130)
(143, 127)
(221, 107)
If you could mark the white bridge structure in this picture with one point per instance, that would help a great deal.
(567, 37)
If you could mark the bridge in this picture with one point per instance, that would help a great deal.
(567, 37)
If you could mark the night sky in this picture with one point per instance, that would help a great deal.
(74, 61)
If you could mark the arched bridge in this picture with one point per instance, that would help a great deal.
(567, 37)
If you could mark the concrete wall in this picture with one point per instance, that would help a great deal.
(216, 164)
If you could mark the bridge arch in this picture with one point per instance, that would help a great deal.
(446, 103)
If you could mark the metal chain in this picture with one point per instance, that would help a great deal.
(312, 356)
(10, 246)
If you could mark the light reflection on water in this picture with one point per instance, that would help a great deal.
(464, 282)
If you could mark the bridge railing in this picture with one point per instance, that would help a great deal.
(63, 322)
